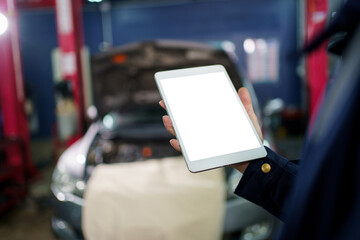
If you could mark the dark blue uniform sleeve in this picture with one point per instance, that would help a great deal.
(267, 182)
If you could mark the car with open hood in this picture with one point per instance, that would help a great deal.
(129, 128)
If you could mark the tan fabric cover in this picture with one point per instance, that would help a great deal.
(153, 200)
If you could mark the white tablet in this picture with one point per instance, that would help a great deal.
(209, 119)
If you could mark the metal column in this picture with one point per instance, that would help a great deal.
(16, 140)
(71, 42)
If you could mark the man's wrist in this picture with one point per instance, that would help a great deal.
(241, 167)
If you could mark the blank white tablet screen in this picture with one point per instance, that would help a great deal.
(208, 117)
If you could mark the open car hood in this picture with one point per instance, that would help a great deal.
(125, 75)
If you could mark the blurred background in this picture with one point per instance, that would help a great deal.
(77, 92)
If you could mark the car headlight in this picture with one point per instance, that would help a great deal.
(67, 183)
(258, 231)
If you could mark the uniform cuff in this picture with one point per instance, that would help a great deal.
(260, 182)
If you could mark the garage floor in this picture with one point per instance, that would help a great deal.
(31, 218)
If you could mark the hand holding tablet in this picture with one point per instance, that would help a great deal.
(246, 100)
(209, 120)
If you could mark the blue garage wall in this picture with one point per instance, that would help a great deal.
(201, 21)
(92, 30)
(233, 20)
(38, 38)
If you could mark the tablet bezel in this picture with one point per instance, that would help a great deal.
(217, 161)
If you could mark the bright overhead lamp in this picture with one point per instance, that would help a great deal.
(3, 24)
(249, 46)
(95, 1)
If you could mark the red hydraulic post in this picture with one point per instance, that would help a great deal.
(317, 61)
(16, 139)
(71, 41)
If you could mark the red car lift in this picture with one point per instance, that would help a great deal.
(317, 61)
(15, 166)
(71, 42)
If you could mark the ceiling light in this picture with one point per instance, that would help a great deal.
(3, 24)
(249, 46)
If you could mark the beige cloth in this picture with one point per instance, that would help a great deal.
(154, 200)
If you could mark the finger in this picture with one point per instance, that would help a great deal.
(162, 104)
(175, 144)
(168, 124)
(246, 100)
